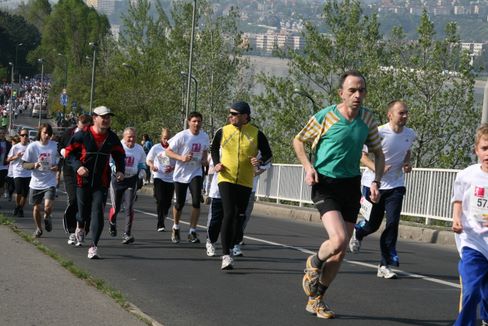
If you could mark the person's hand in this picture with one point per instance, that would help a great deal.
(255, 162)
(374, 195)
(119, 176)
(186, 158)
(82, 171)
(154, 168)
(54, 168)
(219, 167)
(168, 169)
(311, 177)
(457, 226)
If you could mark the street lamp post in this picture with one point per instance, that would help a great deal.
(92, 88)
(300, 92)
(16, 50)
(11, 95)
(134, 71)
(190, 63)
(41, 61)
(65, 69)
(185, 74)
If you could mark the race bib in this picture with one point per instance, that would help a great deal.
(478, 204)
(45, 160)
(366, 207)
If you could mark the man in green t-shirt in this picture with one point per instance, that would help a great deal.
(337, 134)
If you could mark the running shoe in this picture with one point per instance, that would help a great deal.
(310, 280)
(93, 253)
(316, 306)
(20, 213)
(16, 211)
(80, 237)
(484, 323)
(193, 237)
(72, 239)
(386, 272)
(227, 262)
(236, 251)
(48, 224)
(126, 238)
(112, 229)
(175, 236)
(354, 243)
(160, 227)
(37, 233)
(210, 248)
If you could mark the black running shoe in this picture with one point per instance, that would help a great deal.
(48, 224)
(126, 239)
(193, 237)
(20, 213)
(112, 229)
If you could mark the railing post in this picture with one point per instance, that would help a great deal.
(429, 197)
(278, 187)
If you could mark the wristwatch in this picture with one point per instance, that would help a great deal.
(378, 183)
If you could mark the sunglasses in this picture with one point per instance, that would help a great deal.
(233, 113)
(23, 135)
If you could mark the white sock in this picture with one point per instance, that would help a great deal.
(176, 226)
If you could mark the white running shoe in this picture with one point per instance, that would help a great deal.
(354, 243)
(80, 237)
(210, 248)
(93, 253)
(236, 251)
(72, 239)
(386, 272)
(227, 262)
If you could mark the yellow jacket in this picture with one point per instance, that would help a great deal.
(237, 147)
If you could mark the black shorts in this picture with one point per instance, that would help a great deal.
(3, 176)
(341, 195)
(22, 186)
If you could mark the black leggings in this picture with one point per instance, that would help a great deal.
(163, 192)
(234, 203)
(195, 190)
(91, 202)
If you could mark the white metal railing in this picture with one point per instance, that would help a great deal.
(428, 190)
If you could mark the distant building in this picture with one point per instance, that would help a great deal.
(475, 49)
(267, 43)
(103, 6)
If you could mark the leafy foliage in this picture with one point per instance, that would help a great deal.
(433, 76)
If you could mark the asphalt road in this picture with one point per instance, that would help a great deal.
(177, 284)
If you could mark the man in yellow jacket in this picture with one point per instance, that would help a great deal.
(234, 152)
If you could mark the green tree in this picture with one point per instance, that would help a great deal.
(354, 43)
(68, 30)
(35, 12)
(155, 50)
(14, 30)
(435, 78)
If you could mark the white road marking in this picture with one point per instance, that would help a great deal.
(352, 262)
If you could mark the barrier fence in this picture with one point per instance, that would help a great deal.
(428, 193)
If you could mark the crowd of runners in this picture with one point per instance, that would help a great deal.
(95, 162)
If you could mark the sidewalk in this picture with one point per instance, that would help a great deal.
(36, 290)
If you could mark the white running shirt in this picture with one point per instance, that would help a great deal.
(184, 143)
(395, 147)
(17, 170)
(161, 161)
(471, 189)
(48, 156)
